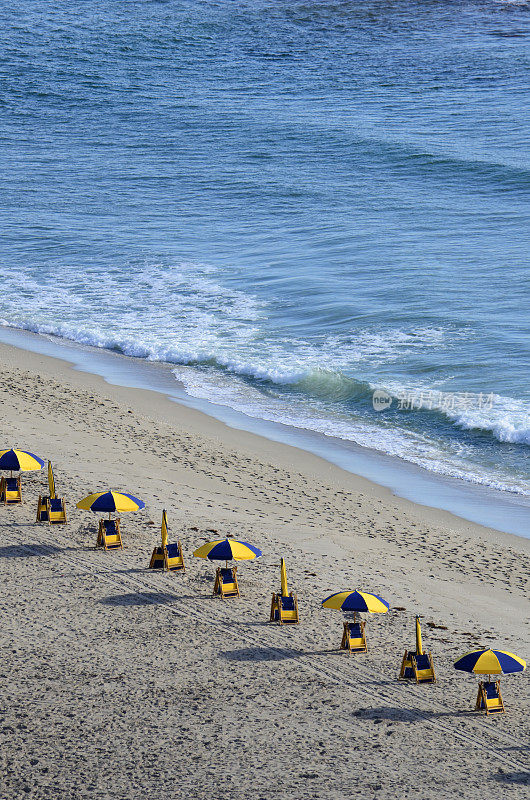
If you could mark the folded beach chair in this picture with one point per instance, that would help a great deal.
(489, 698)
(51, 510)
(284, 609)
(10, 490)
(354, 637)
(417, 665)
(109, 535)
(169, 558)
(226, 582)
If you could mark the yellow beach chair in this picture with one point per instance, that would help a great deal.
(51, 509)
(226, 584)
(489, 697)
(109, 534)
(284, 606)
(10, 490)
(354, 637)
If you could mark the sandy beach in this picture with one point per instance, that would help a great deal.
(120, 682)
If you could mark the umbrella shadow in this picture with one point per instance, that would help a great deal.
(397, 714)
(260, 654)
(516, 778)
(18, 551)
(135, 599)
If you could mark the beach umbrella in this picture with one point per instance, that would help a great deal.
(111, 502)
(419, 643)
(283, 574)
(164, 530)
(51, 481)
(490, 662)
(356, 601)
(227, 550)
(20, 460)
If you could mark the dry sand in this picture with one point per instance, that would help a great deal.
(119, 682)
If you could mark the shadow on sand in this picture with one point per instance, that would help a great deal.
(21, 551)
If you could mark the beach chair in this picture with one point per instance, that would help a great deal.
(417, 667)
(169, 558)
(354, 637)
(423, 668)
(226, 582)
(51, 510)
(284, 609)
(489, 697)
(109, 534)
(10, 490)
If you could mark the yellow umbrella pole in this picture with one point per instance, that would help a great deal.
(419, 645)
(51, 480)
(283, 572)
(164, 530)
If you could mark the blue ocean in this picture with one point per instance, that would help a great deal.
(295, 204)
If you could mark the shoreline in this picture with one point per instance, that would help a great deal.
(470, 503)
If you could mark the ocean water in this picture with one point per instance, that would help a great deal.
(293, 203)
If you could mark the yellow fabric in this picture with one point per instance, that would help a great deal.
(419, 643)
(123, 503)
(51, 480)
(283, 571)
(164, 530)
(374, 605)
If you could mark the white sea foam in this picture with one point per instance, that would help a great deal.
(226, 351)
(448, 458)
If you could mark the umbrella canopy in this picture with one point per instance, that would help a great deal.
(103, 502)
(228, 549)
(356, 601)
(20, 460)
(490, 662)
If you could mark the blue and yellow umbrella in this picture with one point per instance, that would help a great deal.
(227, 550)
(20, 460)
(356, 601)
(111, 502)
(490, 662)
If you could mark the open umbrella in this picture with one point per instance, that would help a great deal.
(226, 583)
(228, 550)
(20, 460)
(110, 502)
(356, 601)
(490, 662)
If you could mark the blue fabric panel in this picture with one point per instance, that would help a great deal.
(491, 690)
(110, 525)
(355, 630)
(56, 504)
(227, 575)
(422, 662)
(12, 484)
(173, 550)
(288, 603)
